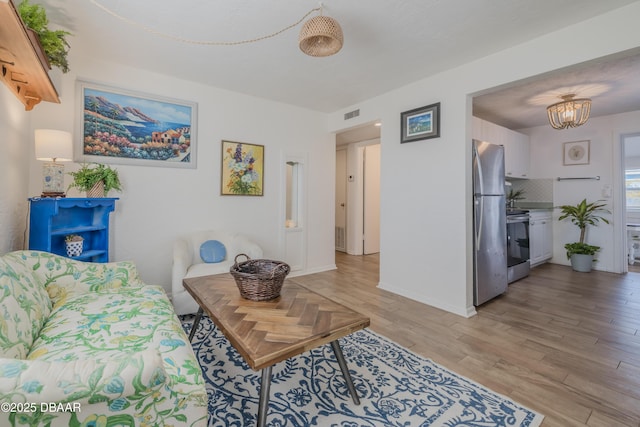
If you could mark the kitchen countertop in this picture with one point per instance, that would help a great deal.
(534, 205)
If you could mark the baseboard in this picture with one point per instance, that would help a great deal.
(467, 312)
(313, 270)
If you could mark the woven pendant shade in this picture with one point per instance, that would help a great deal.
(320, 36)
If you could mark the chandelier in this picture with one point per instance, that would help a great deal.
(569, 113)
(320, 36)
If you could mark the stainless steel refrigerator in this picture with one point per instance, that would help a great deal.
(489, 222)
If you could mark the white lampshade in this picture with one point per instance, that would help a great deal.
(53, 145)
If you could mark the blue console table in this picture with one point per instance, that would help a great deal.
(51, 219)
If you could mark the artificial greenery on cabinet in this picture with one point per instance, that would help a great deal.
(54, 42)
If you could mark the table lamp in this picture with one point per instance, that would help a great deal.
(53, 146)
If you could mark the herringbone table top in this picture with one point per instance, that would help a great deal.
(268, 332)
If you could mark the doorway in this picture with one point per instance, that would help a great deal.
(631, 199)
(357, 204)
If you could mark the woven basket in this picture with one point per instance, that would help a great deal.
(259, 279)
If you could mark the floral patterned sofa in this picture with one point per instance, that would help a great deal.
(87, 344)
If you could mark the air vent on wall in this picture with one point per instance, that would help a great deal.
(352, 114)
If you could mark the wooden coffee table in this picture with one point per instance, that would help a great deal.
(268, 332)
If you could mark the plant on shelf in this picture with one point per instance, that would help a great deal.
(74, 244)
(73, 238)
(96, 179)
(582, 215)
(54, 43)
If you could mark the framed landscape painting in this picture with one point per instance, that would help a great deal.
(420, 123)
(242, 169)
(126, 127)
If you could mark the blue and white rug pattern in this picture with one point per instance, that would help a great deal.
(396, 388)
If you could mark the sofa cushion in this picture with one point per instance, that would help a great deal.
(24, 308)
(212, 251)
(112, 380)
(105, 322)
(204, 269)
(63, 277)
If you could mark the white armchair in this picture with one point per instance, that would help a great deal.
(187, 262)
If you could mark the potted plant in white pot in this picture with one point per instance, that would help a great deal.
(74, 244)
(96, 179)
(583, 214)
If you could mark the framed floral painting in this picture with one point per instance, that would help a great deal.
(242, 169)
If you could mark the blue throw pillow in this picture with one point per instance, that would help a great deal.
(213, 251)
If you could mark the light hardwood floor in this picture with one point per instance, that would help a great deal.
(563, 343)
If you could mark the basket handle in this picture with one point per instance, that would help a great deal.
(235, 260)
(281, 266)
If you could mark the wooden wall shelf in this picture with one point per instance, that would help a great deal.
(20, 68)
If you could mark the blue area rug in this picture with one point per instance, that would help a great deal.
(396, 388)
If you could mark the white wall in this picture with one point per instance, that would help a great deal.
(547, 162)
(158, 203)
(426, 251)
(14, 171)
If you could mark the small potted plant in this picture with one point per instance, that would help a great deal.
(583, 214)
(514, 196)
(53, 43)
(96, 179)
(74, 244)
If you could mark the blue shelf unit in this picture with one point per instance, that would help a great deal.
(52, 219)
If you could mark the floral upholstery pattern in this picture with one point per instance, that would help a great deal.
(100, 338)
(24, 307)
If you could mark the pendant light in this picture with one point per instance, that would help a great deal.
(321, 36)
(569, 113)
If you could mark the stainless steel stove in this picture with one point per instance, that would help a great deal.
(518, 264)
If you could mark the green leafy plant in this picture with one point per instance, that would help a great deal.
(89, 174)
(515, 195)
(54, 43)
(583, 214)
(578, 248)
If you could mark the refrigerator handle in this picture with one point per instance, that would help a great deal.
(478, 165)
(478, 217)
(478, 200)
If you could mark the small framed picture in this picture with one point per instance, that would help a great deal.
(242, 169)
(575, 153)
(420, 123)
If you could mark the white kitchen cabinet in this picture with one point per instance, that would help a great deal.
(540, 236)
(516, 146)
(476, 128)
(493, 133)
(516, 155)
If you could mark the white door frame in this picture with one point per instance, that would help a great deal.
(620, 260)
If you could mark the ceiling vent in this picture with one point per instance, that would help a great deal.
(352, 114)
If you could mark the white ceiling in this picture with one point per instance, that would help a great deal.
(388, 44)
(612, 84)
